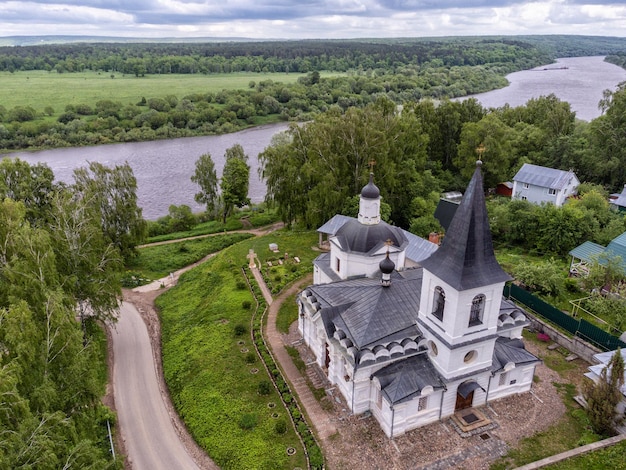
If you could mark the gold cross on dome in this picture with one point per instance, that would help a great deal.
(480, 150)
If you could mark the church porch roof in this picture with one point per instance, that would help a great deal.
(406, 379)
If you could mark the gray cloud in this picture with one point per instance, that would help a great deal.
(312, 18)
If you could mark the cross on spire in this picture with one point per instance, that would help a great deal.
(480, 150)
(371, 164)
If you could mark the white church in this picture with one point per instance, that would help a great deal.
(409, 331)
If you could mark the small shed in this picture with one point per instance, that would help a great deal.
(617, 201)
(505, 189)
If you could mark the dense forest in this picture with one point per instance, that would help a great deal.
(388, 55)
(291, 56)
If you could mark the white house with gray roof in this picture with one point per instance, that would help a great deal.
(538, 184)
(414, 343)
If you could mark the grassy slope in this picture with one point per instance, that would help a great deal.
(210, 381)
(155, 262)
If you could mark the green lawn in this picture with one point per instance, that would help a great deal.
(39, 89)
(213, 379)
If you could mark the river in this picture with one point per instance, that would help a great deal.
(163, 168)
(578, 80)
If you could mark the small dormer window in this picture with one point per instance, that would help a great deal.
(477, 310)
(552, 192)
(439, 302)
(337, 265)
(526, 185)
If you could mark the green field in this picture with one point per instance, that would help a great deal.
(40, 89)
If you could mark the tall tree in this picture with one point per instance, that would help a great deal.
(496, 138)
(30, 184)
(88, 263)
(114, 193)
(205, 176)
(609, 139)
(235, 180)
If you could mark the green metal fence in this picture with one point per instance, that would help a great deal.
(580, 328)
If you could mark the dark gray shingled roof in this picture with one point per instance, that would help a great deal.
(405, 379)
(334, 224)
(465, 259)
(543, 177)
(356, 237)
(369, 313)
(510, 350)
(445, 211)
(416, 250)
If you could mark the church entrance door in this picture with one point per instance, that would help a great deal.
(462, 403)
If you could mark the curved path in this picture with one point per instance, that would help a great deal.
(146, 427)
(321, 420)
(153, 436)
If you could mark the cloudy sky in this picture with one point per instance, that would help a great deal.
(293, 19)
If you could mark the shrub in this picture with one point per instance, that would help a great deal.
(250, 358)
(287, 398)
(248, 421)
(240, 330)
(316, 459)
(303, 429)
(544, 278)
(264, 387)
(280, 426)
(246, 304)
(241, 285)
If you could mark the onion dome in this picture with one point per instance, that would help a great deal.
(387, 266)
(370, 190)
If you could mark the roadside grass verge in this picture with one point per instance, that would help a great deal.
(215, 383)
(155, 262)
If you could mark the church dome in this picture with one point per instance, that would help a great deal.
(357, 237)
(387, 266)
(370, 190)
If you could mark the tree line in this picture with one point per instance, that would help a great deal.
(268, 56)
(62, 248)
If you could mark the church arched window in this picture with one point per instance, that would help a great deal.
(439, 302)
(477, 310)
